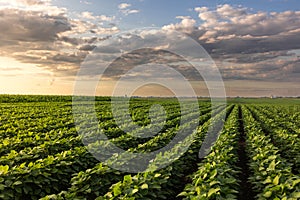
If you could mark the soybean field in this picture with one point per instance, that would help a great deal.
(256, 156)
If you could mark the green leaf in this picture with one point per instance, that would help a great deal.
(295, 182)
(127, 178)
(268, 180)
(213, 191)
(214, 173)
(182, 194)
(230, 196)
(4, 169)
(198, 190)
(19, 190)
(272, 166)
(27, 189)
(135, 191)
(117, 190)
(156, 186)
(213, 183)
(267, 194)
(296, 195)
(144, 186)
(276, 180)
(17, 183)
(8, 183)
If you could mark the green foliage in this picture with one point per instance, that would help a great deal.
(216, 177)
(43, 157)
(272, 175)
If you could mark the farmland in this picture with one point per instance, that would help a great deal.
(257, 155)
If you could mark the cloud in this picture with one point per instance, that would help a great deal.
(160, 45)
(105, 18)
(238, 36)
(44, 35)
(44, 6)
(123, 8)
(246, 45)
(284, 67)
(87, 47)
(187, 25)
(86, 2)
(28, 2)
(29, 26)
(131, 11)
(8, 69)
(128, 12)
(230, 28)
(91, 16)
(88, 15)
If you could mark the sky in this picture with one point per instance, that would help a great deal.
(254, 44)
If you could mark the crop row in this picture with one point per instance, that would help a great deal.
(96, 181)
(217, 175)
(271, 176)
(51, 170)
(287, 142)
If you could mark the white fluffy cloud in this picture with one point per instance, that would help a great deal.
(187, 25)
(124, 8)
